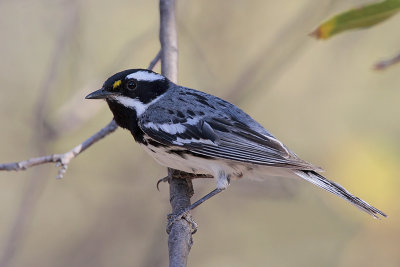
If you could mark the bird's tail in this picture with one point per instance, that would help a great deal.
(337, 189)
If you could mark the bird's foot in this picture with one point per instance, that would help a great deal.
(163, 180)
(185, 214)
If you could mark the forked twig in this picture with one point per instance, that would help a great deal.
(61, 160)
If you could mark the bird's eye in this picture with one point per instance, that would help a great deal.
(131, 84)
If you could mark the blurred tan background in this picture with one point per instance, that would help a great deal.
(321, 98)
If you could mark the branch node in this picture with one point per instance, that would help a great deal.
(61, 160)
(21, 166)
(184, 214)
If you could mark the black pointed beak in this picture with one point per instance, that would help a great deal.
(100, 94)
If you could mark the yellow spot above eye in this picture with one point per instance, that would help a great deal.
(116, 84)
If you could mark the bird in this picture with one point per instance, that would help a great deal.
(198, 133)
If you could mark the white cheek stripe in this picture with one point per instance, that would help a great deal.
(145, 76)
(132, 103)
(135, 104)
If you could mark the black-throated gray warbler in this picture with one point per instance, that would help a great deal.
(195, 132)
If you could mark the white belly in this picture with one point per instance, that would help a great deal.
(188, 164)
(219, 168)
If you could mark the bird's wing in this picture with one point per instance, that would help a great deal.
(223, 138)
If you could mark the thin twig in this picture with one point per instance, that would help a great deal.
(384, 64)
(154, 62)
(62, 160)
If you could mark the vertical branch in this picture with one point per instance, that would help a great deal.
(168, 40)
(180, 234)
(181, 190)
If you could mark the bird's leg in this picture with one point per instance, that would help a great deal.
(206, 197)
(223, 182)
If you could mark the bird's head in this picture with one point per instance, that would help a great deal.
(129, 93)
(132, 89)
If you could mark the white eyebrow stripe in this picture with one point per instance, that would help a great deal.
(145, 76)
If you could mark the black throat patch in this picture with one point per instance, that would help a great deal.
(127, 118)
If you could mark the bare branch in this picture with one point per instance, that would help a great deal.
(180, 233)
(168, 40)
(384, 64)
(181, 190)
(154, 62)
(62, 160)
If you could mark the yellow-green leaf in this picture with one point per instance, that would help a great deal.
(357, 18)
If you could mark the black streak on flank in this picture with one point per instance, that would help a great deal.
(199, 155)
(183, 154)
(180, 153)
(248, 168)
(155, 144)
(190, 112)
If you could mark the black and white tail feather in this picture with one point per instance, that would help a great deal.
(337, 189)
